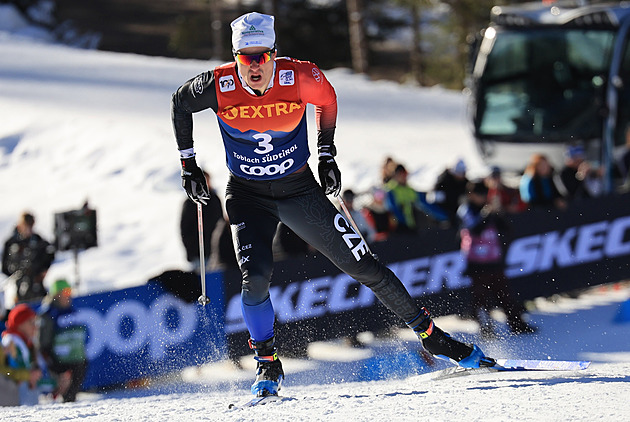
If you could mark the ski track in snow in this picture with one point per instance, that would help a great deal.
(586, 332)
(601, 393)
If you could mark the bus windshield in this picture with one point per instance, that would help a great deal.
(544, 84)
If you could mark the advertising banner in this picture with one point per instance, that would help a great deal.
(146, 331)
(548, 252)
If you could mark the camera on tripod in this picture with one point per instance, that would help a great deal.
(75, 230)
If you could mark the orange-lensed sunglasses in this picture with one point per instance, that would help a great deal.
(248, 59)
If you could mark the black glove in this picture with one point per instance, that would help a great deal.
(329, 175)
(194, 181)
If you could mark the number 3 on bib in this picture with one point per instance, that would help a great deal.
(264, 146)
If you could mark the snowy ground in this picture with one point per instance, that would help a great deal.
(600, 394)
(80, 125)
(581, 328)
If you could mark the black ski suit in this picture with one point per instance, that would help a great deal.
(266, 151)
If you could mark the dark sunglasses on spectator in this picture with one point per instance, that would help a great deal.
(260, 58)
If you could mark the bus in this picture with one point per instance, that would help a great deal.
(550, 74)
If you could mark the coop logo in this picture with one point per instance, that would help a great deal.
(226, 83)
(575, 246)
(269, 170)
(329, 295)
(145, 325)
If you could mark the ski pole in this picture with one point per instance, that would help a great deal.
(203, 299)
(354, 225)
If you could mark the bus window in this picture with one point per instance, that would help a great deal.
(544, 84)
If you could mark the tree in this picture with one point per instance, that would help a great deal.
(467, 18)
(358, 48)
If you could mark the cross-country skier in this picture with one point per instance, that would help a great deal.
(260, 102)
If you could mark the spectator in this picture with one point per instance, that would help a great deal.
(62, 343)
(502, 198)
(482, 236)
(9, 379)
(449, 190)
(569, 185)
(378, 216)
(578, 178)
(20, 363)
(388, 169)
(222, 255)
(26, 259)
(287, 244)
(537, 186)
(402, 200)
(212, 213)
(592, 177)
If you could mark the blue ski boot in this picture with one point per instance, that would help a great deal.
(269, 373)
(443, 346)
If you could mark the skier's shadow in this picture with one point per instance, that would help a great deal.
(528, 382)
(394, 394)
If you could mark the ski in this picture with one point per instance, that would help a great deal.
(259, 401)
(513, 365)
(542, 365)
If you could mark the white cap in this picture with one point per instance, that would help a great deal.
(253, 30)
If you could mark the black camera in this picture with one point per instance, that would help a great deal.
(76, 229)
